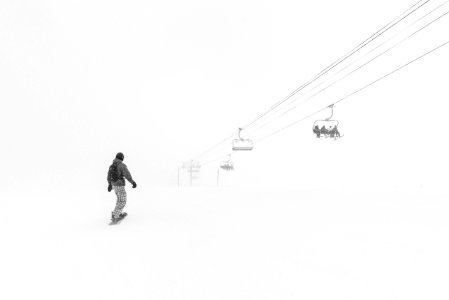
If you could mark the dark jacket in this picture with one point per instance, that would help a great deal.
(123, 173)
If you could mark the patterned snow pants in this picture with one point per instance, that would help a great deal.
(121, 200)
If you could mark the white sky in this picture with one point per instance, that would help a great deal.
(164, 80)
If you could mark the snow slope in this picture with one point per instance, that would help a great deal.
(227, 244)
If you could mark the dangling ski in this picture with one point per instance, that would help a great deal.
(119, 219)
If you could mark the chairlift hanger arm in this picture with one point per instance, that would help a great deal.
(332, 111)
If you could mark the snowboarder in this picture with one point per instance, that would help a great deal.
(116, 180)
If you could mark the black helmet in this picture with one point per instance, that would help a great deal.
(120, 156)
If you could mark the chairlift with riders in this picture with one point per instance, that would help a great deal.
(327, 128)
(227, 165)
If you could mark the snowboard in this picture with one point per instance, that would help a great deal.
(115, 222)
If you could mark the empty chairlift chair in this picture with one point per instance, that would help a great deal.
(242, 144)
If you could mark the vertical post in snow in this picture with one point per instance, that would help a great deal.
(218, 177)
(191, 171)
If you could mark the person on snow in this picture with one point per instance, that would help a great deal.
(116, 180)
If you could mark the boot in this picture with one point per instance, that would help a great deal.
(113, 219)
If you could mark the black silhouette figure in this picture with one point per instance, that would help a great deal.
(324, 131)
(316, 130)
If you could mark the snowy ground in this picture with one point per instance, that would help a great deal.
(228, 244)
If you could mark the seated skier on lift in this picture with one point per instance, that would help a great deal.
(324, 131)
(316, 130)
(334, 132)
(337, 133)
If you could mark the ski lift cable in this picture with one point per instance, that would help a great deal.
(214, 160)
(216, 145)
(219, 158)
(290, 109)
(221, 144)
(355, 92)
(220, 147)
(343, 58)
(385, 28)
(337, 62)
(350, 73)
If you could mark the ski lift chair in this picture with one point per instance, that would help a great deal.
(242, 144)
(227, 165)
(327, 128)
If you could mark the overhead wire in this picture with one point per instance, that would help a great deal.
(374, 36)
(353, 71)
(344, 68)
(214, 160)
(215, 146)
(343, 98)
(355, 92)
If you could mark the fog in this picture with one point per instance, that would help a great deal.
(360, 217)
(164, 81)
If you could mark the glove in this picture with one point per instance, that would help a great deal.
(134, 185)
(109, 187)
